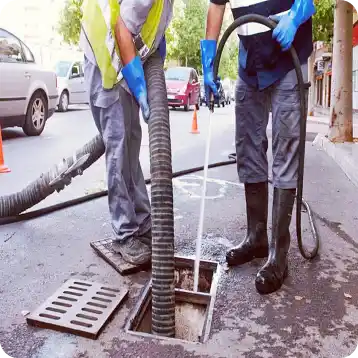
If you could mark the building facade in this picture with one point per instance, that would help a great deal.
(322, 83)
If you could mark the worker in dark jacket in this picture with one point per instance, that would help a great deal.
(266, 77)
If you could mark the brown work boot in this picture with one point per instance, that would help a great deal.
(255, 244)
(271, 277)
(146, 238)
(133, 251)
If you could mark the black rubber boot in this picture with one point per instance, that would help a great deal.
(270, 278)
(255, 244)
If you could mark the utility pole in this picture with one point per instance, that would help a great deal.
(341, 123)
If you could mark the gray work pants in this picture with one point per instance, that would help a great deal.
(116, 115)
(252, 115)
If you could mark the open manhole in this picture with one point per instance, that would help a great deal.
(78, 307)
(194, 310)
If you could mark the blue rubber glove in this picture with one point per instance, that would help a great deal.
(208, 53)
(133, 73)
(289, 23)
(163, 49)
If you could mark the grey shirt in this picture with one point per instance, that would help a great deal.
(134, 14)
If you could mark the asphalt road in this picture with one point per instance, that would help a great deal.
(314, 315)
(66, 132)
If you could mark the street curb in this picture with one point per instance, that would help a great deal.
(344, 154)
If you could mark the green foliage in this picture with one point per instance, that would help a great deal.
(323, 20)
(184, 35)
(186, 31)
(69, 26)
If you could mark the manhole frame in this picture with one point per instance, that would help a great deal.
(136, 315)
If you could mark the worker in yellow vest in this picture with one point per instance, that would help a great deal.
(116, 38)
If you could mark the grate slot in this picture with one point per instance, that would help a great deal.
(50, 316)
(82, 284)
(105, 294)
(72, 293)
(101, 299)
(80, 310)
(109, 289)
(84, 316)
(67, 298)
(78, 288)
(61, 304)
(83, 324)
(96, 305)
(91, 311)
(55, 310)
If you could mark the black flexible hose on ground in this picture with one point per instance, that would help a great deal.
(303, 108)
(162, 212)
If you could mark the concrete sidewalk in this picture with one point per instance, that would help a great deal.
(315, 314)
(345, 154)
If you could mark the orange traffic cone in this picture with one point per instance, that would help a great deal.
(3, 167)
(194, 126)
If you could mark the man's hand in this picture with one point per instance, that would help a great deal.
(288, 24)
(134, 75)
(208, 52)
(132, 71)
(285, 31)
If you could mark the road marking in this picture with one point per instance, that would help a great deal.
(195, 181)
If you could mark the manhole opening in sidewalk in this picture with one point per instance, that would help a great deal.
(193, 311)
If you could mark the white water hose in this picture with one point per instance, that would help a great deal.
(202, 208)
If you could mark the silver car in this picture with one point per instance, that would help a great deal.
(71, 86)
(28, 93)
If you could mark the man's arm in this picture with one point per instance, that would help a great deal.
(215, 19)
(125, 42)
(208, 46)
(133, 15)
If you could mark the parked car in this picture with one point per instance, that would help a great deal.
(70, 84)
(219, 101)
(28, 93)
(183, 87)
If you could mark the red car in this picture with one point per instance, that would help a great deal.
(183, 87)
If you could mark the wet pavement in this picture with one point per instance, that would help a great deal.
(315, 314)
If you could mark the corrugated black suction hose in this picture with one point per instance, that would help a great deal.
(303, 108)
(163, 285)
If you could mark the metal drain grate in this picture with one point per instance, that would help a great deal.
(104, 250)
(78, 307)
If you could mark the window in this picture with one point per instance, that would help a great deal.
(62, 68)
(29, 57)
(10, 48)
(195, 77)
(81, 70)
(75, 70)
(177, 74)
(355, 81)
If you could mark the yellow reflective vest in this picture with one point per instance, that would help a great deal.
(98, 22)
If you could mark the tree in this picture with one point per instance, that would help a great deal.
(69, 26)
(186, 31)
(323, 20)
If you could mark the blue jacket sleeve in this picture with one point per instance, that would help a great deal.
(301, 11)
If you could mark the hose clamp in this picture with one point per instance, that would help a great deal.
(141, 47)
